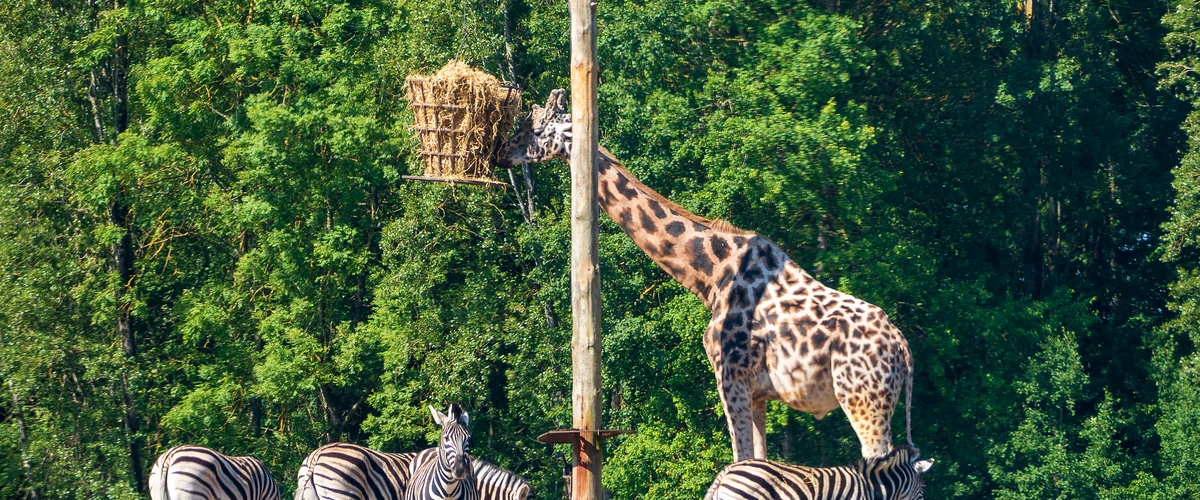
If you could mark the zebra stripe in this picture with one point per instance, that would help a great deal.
(450, 476)
(494, 483)
(491, 481)
(196, 472)
(895, 476)
(344, 471)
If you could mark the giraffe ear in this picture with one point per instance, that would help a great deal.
(438, 417)
(923, 465)
(557, 102)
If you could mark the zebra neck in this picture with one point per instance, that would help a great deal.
(445, 479)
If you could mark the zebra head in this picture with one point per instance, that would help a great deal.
(544, 136)
(454, 443)
(897, 475)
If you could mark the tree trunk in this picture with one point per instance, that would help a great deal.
(123, 255)
(20, 416)
(789, 422)
(120, 62)
(255, 405)
(123, 259)
(331, 413)
(97, 121)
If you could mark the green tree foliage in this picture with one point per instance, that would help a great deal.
(205, 238)
(1176, 358)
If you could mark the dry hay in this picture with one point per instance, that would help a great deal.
(462, 115)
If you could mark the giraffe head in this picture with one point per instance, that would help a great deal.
(544, 136)
(454, 443)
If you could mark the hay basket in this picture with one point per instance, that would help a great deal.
(462, 116)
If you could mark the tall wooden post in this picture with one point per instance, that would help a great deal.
(585, 282)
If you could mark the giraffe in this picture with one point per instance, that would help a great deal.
(776, 332)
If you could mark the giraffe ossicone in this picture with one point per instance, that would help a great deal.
(776, 332)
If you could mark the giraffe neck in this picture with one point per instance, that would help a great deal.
(688, 247)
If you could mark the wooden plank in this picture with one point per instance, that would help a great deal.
(475, 182)
(585, 266)
(563, 436)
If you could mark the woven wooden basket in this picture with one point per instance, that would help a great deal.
(462, 116)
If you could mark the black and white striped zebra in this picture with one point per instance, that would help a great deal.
(450, 476)
(198, 473)
(895, 476)
(344, 471)
(494, 483)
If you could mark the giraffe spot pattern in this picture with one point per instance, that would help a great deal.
(700, 260)
(657, 208)
(720, 247)
(725, 279)
(819, 349)
(626, 219)
(624, 189)
(769, 258)
(647, 222)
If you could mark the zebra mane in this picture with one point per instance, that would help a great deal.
(457, 414)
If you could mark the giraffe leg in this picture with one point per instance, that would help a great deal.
(868, 397)
(735, 396)
(758, 412)
(869, 415)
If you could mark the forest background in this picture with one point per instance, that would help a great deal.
(204, 237)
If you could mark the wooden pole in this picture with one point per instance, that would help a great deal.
(585, 282)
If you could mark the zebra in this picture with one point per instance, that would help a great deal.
(492, 482)
(198, 473)
(495, 483)
(450, 476)
(344, 471)
(895, 476)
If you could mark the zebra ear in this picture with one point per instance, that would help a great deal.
(438, 417)
(463, 419)
(923, 466)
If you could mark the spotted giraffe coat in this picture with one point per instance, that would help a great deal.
(776, 332)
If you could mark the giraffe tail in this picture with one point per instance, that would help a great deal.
(908, 382)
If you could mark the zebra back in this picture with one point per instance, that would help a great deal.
(495, 483)
(344, 471)
(895, 476)
(194, 472)
(450, 475)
